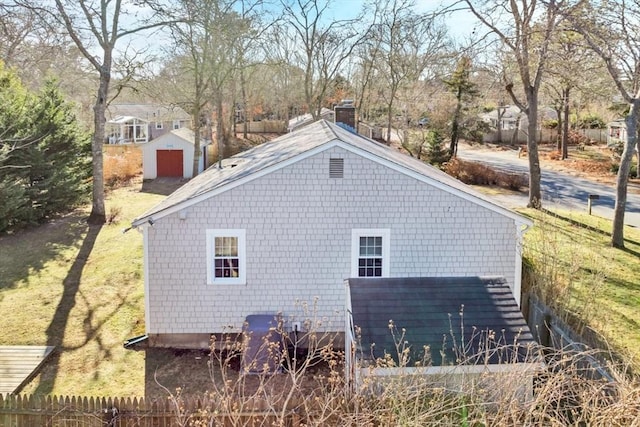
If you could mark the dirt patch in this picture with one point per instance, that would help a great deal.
(196, 372)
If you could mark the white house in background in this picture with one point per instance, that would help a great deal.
(510, 117)
(616, 133)
(171, 155)
(280, 227)
(140, 123)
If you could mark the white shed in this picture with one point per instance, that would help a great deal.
(171, 155)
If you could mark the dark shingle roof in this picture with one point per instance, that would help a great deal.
(434, 311)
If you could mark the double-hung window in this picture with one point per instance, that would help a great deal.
(226, 258)
(370, 252)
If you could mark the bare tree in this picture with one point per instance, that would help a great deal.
(322, 46)
(612, 30)
(287, 84)
(200, 42)
(573, 70)
(525, 28)
(407, 43)
(96, 27)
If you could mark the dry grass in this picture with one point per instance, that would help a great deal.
(563, 392)
(80, 288)
(121, 164)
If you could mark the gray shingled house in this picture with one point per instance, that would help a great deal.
(281, 227)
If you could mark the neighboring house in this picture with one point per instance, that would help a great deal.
(171, 155)
(504, 117)
(616, 133)
(280, 227)
(508, 123)
(509, 117)
(140, 123)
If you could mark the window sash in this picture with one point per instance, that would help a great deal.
(226, 258)
(370, 253)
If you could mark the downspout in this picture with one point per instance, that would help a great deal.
(521, 228)
(145, 272)
(349, 345)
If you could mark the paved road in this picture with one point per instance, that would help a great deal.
(559, 189)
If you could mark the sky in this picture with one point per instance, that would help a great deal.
(461, 23)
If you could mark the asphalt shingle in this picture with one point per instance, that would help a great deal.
(459, 318)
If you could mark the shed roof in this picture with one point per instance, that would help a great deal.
(298, 145)
(461, 319)
(185, 134)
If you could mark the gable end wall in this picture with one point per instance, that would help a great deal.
(298, 224)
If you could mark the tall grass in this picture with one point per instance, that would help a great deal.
(571, 267)
(313, 390)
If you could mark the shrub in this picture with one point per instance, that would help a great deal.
(480, 174)
(121, 163)
(589, 121)
(633, 172)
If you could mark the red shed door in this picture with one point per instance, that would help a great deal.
(169, 163)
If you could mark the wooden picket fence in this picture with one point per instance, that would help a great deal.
(65, 411)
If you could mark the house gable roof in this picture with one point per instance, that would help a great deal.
(457, 317)
(298, 145)
(148, 112)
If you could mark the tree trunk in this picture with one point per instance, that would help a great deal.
(196, 140)
(222, 146)
(617, 234)
(501, 111)
(243, 88)
(98, 212)
(389, 119)
(453, 147)
(535, 194)
(516, 131)
(565, 123)
(560, 127)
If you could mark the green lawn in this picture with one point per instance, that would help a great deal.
(577, 270)
(79, 288)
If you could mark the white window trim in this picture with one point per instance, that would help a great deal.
(176, 124)
(385, 233)
(159, 125)
(242, 257)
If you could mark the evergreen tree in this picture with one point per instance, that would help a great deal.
(436, 153)
(465, 91)
(14, 201)
(61, 178)
(44, 156)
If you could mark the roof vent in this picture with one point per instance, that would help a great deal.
(336, 168)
